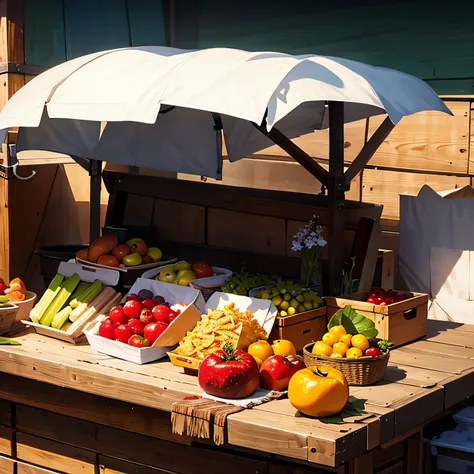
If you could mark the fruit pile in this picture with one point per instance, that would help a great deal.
(241, 283)
(106, 251)
(141, 320)
(15, 291)
(290, 299)
(386, 297)
(70, 300)
(336, 343)
(182, 273)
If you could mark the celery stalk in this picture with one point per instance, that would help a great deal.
(67, 288)
(61, 317)
(78, 292)
(47, 298)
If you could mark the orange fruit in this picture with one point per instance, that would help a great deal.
(260, 350)
(318, 391)
(340, 348)
(335, 356)
(330, 339)
(321, 348)
(283, 347)
(338, 331)
(346, 339)
(354, 353)
(360, 341)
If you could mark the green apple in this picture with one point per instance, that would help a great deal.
(184, 277)
(181, 265)
(131, 260)
(134, 241)
(155, 254)
(167, 275)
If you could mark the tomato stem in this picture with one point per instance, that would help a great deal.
(229, 353)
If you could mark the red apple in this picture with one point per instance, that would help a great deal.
(276, 371)
(121, 251)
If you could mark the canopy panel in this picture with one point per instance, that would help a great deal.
(62, 108)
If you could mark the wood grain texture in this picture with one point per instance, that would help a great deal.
(179, 222)
(5, 440)
(251, 232)
(24, 468)
(7, 466)
(385, 187)
(316, 144)
(427, 141)
(51, 454)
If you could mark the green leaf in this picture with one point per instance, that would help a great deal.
(8, 341)
(353, 322)
(354, 407)
(357, 403)
(298, 414)
(332, 420)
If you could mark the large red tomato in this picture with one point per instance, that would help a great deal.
(229, 374)
(202, 270)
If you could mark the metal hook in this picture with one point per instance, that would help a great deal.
(12, 149)
(22, 178)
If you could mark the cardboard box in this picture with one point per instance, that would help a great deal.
(264, 312)
(399, 323)
(74, 334)
(185, 322)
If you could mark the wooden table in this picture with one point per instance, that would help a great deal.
(66, 408)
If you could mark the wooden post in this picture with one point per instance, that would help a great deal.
(336, 192)
(95, 174)
(11, 50)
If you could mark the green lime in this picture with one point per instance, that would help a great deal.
(287, 297)
(276, 300)
(284, 305)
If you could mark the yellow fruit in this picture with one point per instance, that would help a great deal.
(335, 356)
(276, 300)
(330, 339)
(261, 350)
(291, 311)
(346, 339)
(338, 331)
(284, 305)
(301, 309)
(287, 297)
(321, 348)
(308, 305)
(266, 295)
(294, 302)
(283, 347)
(300, 298)
(339, 348)
(360, 341)
(353, 353)
(283, 314)
(318, 391)
(258, 361)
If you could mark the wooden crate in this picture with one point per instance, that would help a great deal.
(400, 322)
(302, 328)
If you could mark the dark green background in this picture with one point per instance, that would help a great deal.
(432, 40)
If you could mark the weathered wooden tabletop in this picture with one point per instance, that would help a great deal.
(423, 380)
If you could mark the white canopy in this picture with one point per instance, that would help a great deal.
(163, 105)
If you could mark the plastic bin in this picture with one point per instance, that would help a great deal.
(51, 256)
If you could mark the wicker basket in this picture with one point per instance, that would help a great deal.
(362, 371)
(7, 318)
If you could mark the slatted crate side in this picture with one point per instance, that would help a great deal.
(26, 468)
(5, 412)
(54, 455)
(7, 466)
(6, 440)
(110, 465)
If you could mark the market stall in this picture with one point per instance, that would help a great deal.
(141, 300)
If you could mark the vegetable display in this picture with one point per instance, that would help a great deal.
(241, 283)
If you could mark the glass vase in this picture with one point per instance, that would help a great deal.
(310, 267)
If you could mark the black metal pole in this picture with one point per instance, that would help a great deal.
(336, 191)
(95, 173)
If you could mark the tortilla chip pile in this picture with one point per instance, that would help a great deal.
(219, 327)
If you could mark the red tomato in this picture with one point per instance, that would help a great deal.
(202, 270)
(132, 309)
(3, 287)
(148, 303)
(138, 341)
(146, 316)
(229, 374)
(162, 313)
(136, 326)
(174, 315)
(372, 299)
(276, 371)
(373, 352)
(154, 330)
(117, 315)
(133, 297)
(107, 329)
(123, 333)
